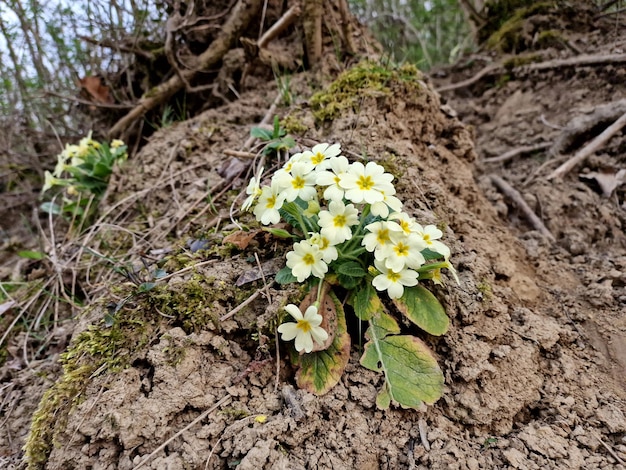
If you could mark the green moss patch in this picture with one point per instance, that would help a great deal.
(366, 79)
(191, 304)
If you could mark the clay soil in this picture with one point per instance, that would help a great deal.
(535, 359)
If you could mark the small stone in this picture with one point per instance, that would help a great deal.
(515, 458)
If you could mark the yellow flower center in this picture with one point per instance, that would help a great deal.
(427, 239)
(317, 158)
(382, 236)
(298, 182)
(324, 243)
(405, 226)
(308, 259)
(339, 220)
(393, 277)
(271, 202)
(401, 249)
(303, 325)
(365, 183)
(337, 179)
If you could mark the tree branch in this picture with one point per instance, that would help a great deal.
(237, 22)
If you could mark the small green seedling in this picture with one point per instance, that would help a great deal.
(277, 139)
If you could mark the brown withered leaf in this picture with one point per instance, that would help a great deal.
(327, 311)
(240, 238)
(95, 90)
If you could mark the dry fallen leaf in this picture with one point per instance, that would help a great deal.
(95, 90)
(240, 238)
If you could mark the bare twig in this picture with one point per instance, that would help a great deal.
(278, 27)
(547, 123)
(580, 60)
(346, 27)
(589, 149)
(87, 102)
(118, 47)
(609, 13)
(421, 426)
(608, 448)
(239, 154)
(233, 27)
(517, 151)
(241, 305)
(517, 198)
(222, 401)
(602, 116)
(312, 26)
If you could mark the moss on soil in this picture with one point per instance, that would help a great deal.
(504, 29)
(366, 79)
(108, 349)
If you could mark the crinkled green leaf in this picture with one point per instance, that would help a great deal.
(285, 276)
(365, 301)
(412, 376)
(320, 371)
(420, 306)
(350, 268)
(348, 282)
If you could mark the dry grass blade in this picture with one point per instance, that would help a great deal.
(222, 401)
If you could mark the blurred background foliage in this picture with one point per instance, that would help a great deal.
(424, 32)
(46, 48)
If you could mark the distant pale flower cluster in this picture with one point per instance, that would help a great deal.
(347, 213)
(87, 159)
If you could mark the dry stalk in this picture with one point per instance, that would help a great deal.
(581, 60)
(589, 149)
(519, 201)
(517, 151)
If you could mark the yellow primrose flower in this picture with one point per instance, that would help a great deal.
(305, 330)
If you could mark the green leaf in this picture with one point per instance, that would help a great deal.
(146, 286)
(430, 255)
(37, 255)
(285, 276)
(51, 208)
(365, 302)
(320, 371)
(277, 129)
(278, 232)
(382, 325)
(159, 273)
(348, 282)
(412, 375)
(420, 306)
(261, 133)
(351, 268)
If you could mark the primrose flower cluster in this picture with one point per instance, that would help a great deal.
(357, 212)
(352, 226)
(87, 163)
